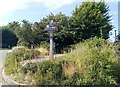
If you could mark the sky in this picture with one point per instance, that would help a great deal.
(34, 10)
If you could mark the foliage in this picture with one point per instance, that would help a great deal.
(13, 59)
(25, 32)
(118, 37)
(11, 64)
(43, 51)
(117, 47)
(92, 62)
(88, 20)
(62, 37)
(44, 45)
(9, 39)
(29, 68)
(91, 19)
(98, 62)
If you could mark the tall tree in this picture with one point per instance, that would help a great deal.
(38, 33)
(63, 37)
(25, 34)
(14, 26)
(91, 19)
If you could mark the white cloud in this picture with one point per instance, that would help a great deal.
(8, 6)
(11, 5)
(106, 0)
(54, 4)
(112, 0)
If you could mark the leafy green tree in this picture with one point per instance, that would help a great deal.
(38, 33)
(88, 20)
(91, 19)
(25, 34)
(14, 26)
(63, 37)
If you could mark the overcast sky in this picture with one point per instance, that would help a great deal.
(34, 10)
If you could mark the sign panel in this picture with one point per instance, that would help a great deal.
(51, 29)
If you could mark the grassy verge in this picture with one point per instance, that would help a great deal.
(93, 62)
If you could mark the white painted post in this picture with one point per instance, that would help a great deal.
(51, 45)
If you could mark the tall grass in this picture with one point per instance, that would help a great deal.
(92, 62)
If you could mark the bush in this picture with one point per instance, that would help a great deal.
(11, 64)
(92, 62)
(34, 53)
(49, 73)
(26, 53)
(13, 59)
(97, 61)
(29, 68)
(117, 47)
(44, 48)
(43, 51)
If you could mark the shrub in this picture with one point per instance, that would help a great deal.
(43, 51)
(34, 53)
(117, 47)
(49, 73)
(44, 45)
(43, 48)
(11, 64)
(13, 59)
(92, 62)
(97, 62)
(29, 68)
